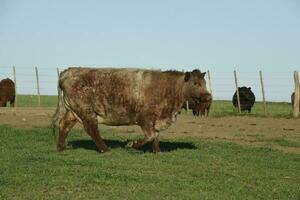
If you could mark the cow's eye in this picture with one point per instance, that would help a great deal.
(195, 83)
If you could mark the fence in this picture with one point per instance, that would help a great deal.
(267, 86)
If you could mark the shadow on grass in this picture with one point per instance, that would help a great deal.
(113, 144)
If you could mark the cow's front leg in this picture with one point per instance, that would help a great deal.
(149, 135)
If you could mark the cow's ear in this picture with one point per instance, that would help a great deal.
(203, 74)
(249, 88)
(187, 76)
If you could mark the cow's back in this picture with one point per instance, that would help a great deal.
(111, 84)
(7, 90)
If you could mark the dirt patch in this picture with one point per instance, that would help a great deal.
(26, 117)
(279, 133)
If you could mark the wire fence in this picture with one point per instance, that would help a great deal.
(277, 86)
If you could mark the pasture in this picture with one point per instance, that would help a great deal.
(225, 156)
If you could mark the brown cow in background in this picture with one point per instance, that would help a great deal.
(7, 92)
(200, 107)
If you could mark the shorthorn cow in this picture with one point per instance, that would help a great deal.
(7, 92)
(147, 98)
(247, 99)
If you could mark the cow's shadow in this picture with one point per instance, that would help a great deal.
(113, 144)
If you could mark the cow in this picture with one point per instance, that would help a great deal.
(293, 99)
(7, 92)
(201, 107)
(247, 99)
(119, 96)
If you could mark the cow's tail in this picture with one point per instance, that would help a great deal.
(58, 112)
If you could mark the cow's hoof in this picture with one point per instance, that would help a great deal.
(133, 144)
(129, 144)
(60, 148)
(105, 150)
(156, 151)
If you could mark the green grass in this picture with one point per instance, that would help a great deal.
(273, 109)
(32, 101)
(286, 142)
(190, 168)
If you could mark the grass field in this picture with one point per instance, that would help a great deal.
(219, 108)
(189, 168)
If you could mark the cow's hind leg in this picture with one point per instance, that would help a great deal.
(155, 145)
(91, 127)
(12, 103)
(65, 125)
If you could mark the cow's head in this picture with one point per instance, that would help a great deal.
(245, 93)
(195, 86)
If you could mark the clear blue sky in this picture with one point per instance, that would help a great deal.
(166, 34)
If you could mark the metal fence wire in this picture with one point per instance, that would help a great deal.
(267, 86)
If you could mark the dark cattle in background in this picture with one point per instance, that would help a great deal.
(204, 106)
(293, 99)
(247, 99)
(201, 107)
(147, 98)
(7, 92)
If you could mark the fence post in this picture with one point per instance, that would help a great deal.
(237, 91)
(15, 81)
(263, 92)
(209, 82)
(210, 90)
(187, 106)
(297, 95)
(57, 72)
(38, 85)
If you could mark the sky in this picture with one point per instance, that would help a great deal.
(220, 36)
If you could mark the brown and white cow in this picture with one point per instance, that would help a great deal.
(7, 92)
(111, 96)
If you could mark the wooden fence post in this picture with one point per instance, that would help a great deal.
(15, 80)
(297, 95)
(263, 92)
(187, 106)
(210, 90)
(38, 85)
(209, 82)
(57, 72)
(237, 91)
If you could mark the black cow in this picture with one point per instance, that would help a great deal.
(293, 99)
(247, 99)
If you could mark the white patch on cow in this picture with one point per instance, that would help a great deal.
(174, 117)
(100, 119)
(163, 124)
(129, 144)
(137, 86)
(68, 107)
